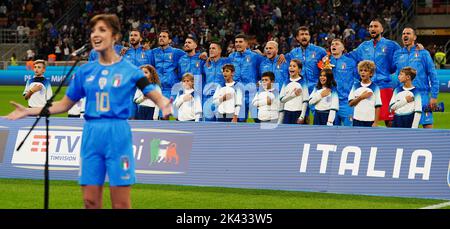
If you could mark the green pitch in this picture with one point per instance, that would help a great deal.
(28, 194)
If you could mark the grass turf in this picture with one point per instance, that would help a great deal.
(28, 194)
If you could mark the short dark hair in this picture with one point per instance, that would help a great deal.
(217, 43)
(241, 35)
(269, 74)
(166, 31)
(228, 66)
(380, 20)
(301, 28)
(192, 38)
(408, 26)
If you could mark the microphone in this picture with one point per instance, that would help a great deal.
(81, 50)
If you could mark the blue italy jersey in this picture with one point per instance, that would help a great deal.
(93, 55)
(213, 72)
(138, 56)
(281, 71)
(166, 63)
(214, 75)
(382, 55)
(246, 66)
(345, 72)
(426, 79)
(309, 58)
(192, 64)
(109, 90)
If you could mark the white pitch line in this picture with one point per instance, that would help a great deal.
(437, 206)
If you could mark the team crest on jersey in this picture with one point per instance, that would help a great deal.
(278, 66)
(142, 56)
(416, 54)
(102, 82)
(383, 49)
(197, 64)
(117, 80)
(248, 59)
(170, 56)
(313, 55)
(105, 72)
(343, 66)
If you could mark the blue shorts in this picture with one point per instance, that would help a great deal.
(403, 121)
(106, 148)
(427, 117)
(321, 117)
(344, 116)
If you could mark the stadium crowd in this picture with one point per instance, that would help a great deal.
(206, 20)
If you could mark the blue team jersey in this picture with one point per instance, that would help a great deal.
(246, 66)
(192, 64)
(309, 58)
(109, 90)
(166, 63)
(281, 71)
(426, 79)
(382, 55)
(345, 72)
(93, 55)
(138, 56)
(213, 72)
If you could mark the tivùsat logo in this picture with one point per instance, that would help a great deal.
(156, 151)
(64, 148)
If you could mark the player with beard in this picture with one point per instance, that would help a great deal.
(310, 55)
(426, 81)
(191, 63)
(165, 59)
(345, 72)
(381, 51)
(136, 53)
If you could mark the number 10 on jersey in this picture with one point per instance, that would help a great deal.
(102, 101)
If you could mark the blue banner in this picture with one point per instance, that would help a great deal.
(20, 77)
(372, 161)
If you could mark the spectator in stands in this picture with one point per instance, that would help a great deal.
(440, 58)
(13, 59)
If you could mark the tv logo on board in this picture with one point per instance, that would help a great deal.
(64, 148)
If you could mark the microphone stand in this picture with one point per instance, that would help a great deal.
(45, 112)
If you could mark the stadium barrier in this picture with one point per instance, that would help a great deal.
(371, 161)
(18, 75)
